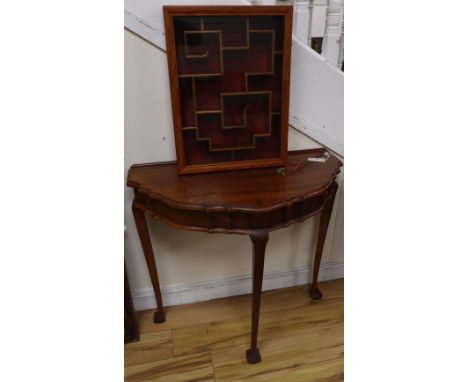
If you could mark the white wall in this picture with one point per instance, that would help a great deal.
(184, 257)
(317, 97)
(319, 13)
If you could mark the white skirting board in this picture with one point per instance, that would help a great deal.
(186, 293)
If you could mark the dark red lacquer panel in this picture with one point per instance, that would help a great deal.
(231, 90)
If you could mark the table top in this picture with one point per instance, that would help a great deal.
(260, 189)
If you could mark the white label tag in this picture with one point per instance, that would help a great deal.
(321, 159)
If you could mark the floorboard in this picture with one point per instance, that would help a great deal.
(194, 367)
(150, 347)
(300, 340)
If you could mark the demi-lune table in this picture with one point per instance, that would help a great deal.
(251, 202)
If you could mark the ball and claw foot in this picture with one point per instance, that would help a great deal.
(315, 293)
(159, 317)
(253, 356)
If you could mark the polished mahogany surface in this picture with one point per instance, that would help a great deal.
(235, 201)
(254, 189)
(229, 73)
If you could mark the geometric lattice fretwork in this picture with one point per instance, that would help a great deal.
(230, 85)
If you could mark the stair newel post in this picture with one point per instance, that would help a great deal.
(301, 22)
(311, 18)
(333, 32)
(341, 47)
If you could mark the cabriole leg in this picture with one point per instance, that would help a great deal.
(325, 215)
(259, 241)
(142, 228)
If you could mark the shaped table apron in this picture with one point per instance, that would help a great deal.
(233, 219)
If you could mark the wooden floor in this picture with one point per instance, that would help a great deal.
(299, 340)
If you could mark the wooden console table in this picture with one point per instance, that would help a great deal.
(251, 202)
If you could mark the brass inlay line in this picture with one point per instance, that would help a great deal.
(203, 55)
(201, 75)
(209, 111)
